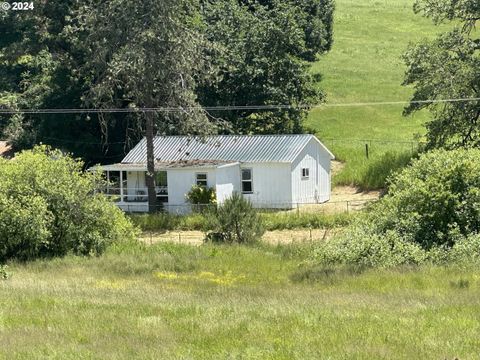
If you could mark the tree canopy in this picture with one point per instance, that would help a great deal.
(75, 54)
(448, 68)
(262, 53)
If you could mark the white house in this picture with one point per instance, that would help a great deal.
(273, 171)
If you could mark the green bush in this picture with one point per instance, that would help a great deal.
(201, 195)
(236, 221)
(435, 201)
(48, 207)
(430, 213)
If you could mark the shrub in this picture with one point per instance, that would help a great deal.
(201, 195)
(48, 207)
(430, 213)
(236, 221)
(435, 201)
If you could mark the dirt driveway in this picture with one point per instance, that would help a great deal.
(271, 237)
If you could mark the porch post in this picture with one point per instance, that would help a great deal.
(121, 186)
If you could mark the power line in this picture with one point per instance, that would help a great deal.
(229, 107)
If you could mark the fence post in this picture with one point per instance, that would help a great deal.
(348, 207)
(366, 150)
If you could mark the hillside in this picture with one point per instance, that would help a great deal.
(365, 65)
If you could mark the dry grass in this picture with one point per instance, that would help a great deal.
(270, 237)
(216, 302)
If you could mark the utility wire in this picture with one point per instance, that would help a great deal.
(229, 107)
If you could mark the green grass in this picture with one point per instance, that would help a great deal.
(217, 302)
(275, 220)
(365, 65)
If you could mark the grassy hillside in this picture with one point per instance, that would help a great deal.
(365, 65)
(220, 302)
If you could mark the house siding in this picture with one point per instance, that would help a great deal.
(228, 181)
(317, 187)
(180, 181)
(271, 185)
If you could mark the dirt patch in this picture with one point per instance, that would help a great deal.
(271, 237)
(296, 236)
(336, 167)
(180, 237)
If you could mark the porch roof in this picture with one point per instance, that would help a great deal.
(159, 166)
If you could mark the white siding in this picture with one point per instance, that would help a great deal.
(228, 181)
(271, 185)
(317, 187)
(180, 182)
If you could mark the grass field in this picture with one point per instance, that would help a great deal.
(365, 65)
(217, 302)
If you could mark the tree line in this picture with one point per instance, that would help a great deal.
(206, 53)
(150, 54)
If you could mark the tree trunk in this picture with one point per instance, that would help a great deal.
(150, 175)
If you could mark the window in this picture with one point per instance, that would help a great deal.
(201, 179)
(247, 182)
(161, 178)
(305, 173)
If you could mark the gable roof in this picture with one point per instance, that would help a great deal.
(243, 148)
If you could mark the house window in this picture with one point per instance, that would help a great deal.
(305, 173)
(201, 179)
(161, 178)
(247, 182)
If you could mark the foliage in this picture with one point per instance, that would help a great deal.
(261, 50)
(39, 68)
(237, 221)
(448, 68)
(148, 54)
(165, 221)
(366, 66)
(4, 274)
(304, 220)
(74, 54)
(201, 195)
(48, 208)
(431, 212)
(205, 221)
(434, 201)
(372, 173)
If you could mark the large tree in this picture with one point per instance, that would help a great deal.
(80, 54)
(39, 68)
(448, 68)
(144, 55)
(262, 51)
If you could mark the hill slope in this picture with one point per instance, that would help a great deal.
(365, 65)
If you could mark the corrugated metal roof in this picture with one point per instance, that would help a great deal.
(243, 148)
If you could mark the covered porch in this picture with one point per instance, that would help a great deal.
(126, 186)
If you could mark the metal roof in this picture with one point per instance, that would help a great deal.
(243, 148)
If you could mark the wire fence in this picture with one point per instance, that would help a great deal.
(330, 207)
(372, 146)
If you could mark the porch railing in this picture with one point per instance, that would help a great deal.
(134, 195)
